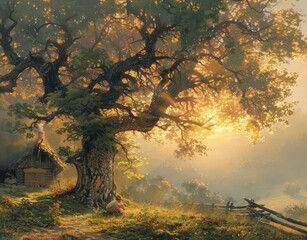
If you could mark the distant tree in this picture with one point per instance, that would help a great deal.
(156, 190)
(292, 188)
(198, 192)
(101, 68)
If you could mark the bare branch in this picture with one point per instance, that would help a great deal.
(62, 48)
(245, 29)
(99, 35)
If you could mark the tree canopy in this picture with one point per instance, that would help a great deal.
(103, 68)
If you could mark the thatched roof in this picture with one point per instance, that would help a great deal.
(39, 147)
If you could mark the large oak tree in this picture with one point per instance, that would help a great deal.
(104, 68)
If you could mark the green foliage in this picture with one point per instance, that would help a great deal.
(23, 215)
(78, 103)
(158, 190)
(230, 53)
(192, 18)
(198, 192)
(12, 144)
(32, 14)
(129, 166)
(54, 212)
(19, 216)
(169, 224)
(83, 106)
(7, 202)
(128, 162)
(72, 131)
(65, 151)
(22, 111)
(25, 110)
(91, 59)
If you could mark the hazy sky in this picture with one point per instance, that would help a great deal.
(236, 168)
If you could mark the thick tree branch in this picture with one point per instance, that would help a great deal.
(168, 89)
(62, 48)
(9, 81)
(36, 119)
(256, 33)
(6, 38)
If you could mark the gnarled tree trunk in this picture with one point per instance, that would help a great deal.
(95, 185)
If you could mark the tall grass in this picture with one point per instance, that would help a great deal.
(23, 215)
(60, 190)
(160, 223)
(298, 211)
(39, 209)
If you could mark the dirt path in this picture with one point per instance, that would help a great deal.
(74, 226)
(71, 227)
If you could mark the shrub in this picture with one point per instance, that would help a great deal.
(23, 211)
(297, 211)
(168, 225)
(58, 191)
(26, 215)
(7, 202)
(54, 212)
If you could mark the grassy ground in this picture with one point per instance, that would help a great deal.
(35, 214)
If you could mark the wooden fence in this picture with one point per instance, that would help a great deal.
(263, 213)
(254, 211)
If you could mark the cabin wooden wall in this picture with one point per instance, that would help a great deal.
(20, 176)
(43, 162)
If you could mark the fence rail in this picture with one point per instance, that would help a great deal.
(262, 212)
(256, 211)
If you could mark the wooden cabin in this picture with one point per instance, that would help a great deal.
(36, 168)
